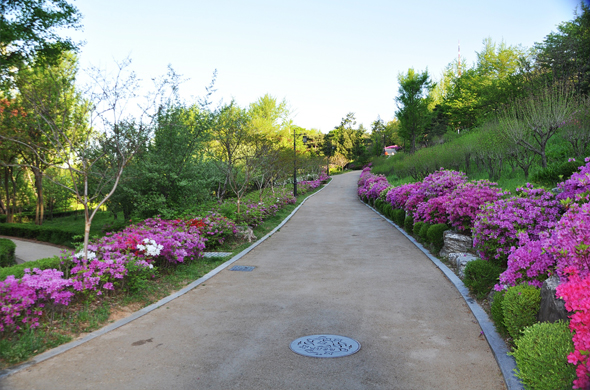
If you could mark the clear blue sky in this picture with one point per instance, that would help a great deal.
(326, 58)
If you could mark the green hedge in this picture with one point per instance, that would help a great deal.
(29, 217)
(498, 314)
(409, 224)
(520, 308)
(423, 233)
(417, 227)
(435, 235)
(480, 277)
(41, 233)
(19, 270)
(399, 216)
(7, 248)
(541, 356)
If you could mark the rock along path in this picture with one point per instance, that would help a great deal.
(335, 268)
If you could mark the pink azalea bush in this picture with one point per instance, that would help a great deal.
(528, 263)
(570, 241)
(23, 300)
(577, 186)
(467, 200)
(496, 227)
(398, 196)
(433, 211)
(576, 294)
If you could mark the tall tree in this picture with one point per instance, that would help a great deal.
(29, 33)
(413, 100)
(565, 53)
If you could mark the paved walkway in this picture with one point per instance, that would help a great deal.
(29, 250)
(335, 267)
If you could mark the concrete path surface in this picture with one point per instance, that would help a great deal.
(29, 250)
(335, 268)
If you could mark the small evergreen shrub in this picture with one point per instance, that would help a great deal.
(520, 308)
(480, 277)
(7, 248)
(541, 356)
(379, 205)
(424, 232)
(388, 210)
(435, 235)
(417, 227)
(498, 314)
(409, 224)
(399, 216)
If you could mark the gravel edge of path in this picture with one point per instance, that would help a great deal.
(506, 362)
(117, 324)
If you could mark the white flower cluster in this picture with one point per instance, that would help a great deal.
(91, 255)
(150, 248)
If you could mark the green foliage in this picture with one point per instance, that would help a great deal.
(555, 173)
(417, 228)
(30, 28)
(138, 276)
(41, 233)
(388, 210)
(413, 100)
(435, 235)
(20, 346)
(498, 313)
(48, 263)
(520, 308)
(409, 224)
(399, 216)
(423, 233)
(7, 248)
(541, 356)
(480, 277)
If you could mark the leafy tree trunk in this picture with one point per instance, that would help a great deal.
(39, 191)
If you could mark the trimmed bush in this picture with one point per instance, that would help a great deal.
(399, 216)
(520, 308)
(409, 224)
(541, 356)
(435, 235)
(417, 228)
(498, 314)
(7, 248)
(41, 233)
(379, 205)
(388, 210)
(19, 270)
(480, 277)
(423, 233)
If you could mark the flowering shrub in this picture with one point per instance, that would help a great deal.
(529, 263)
(365, 174)
(570, 241)
(577, 187)
(214, 228)
(467, 199)
(398, 196)
(23, 300)
(373, 186)
(433, 211)
(498, 224)
(576, 294)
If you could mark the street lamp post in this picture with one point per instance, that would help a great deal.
(295, 159)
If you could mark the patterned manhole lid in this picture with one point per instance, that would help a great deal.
(246, 268)
(216, 254)
(325, 346)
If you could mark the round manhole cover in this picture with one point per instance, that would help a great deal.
(325, 346)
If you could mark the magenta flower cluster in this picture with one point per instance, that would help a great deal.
(467, 200)
(578, 185)
(576, 294)
(439, 183)
(433, 211)
(497, 226)
(398, 196)
(23, 300)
